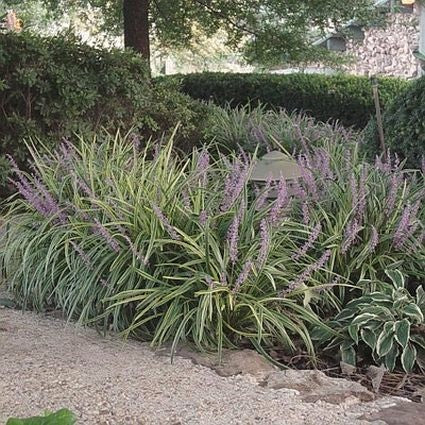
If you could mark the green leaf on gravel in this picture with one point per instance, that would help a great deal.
(61, 417)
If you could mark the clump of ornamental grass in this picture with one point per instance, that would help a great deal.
(170, 249)
(159, 248)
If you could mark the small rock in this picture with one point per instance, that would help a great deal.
(314, 385)
(407, 413)
(233, 362)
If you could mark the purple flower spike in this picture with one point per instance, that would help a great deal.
(135, 252)
(374, 240)
(100, 230)
(243, 276)
(396, 179)
(306, 213)
(280, 203)
(84, 257)
(306, 274)
(186, 199)
(202, 167)
(309, 243)
(233, 238)
(234, 184)
(167, 226)
(264, 243)
(203, 218)
(351, 232)
(402, 230)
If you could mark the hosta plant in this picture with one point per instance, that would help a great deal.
(61, 417)
(389, 324)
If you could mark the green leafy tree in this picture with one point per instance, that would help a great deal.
(266, 30)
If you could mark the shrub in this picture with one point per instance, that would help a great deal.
(389, 324)
(168, 249)
(53, 87)
(404, 126)
(343, 98)
(61, 417)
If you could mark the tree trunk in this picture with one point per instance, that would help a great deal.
(136, 26)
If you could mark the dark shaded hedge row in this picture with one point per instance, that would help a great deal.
(53, 87)
(347, 99)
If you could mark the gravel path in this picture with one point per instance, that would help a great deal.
(47, 364)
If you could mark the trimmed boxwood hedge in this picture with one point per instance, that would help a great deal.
(343, 98)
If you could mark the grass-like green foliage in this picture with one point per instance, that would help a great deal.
(344, 98)
(52, 87)
(61, 417)
(389, 324)
(260, 128)
(404, 126)
(167, 249)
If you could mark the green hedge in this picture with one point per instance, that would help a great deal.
(404, 126)
(53, 87)
(347, 99)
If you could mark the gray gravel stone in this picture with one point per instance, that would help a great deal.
(47, 364)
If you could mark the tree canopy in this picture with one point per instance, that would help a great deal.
(266, 31)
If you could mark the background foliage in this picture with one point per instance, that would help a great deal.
(53, 87)
(404, 125)
(343, 98)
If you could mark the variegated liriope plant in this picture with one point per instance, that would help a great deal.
(388, 324)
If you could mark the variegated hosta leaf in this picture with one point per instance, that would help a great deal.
(402, 332)
(363, 318)
(385, 340)
(408, 357)
(353, 331)
(420, 297)
(369, 337)
(413, 311)
(391, 358)
(348, 355)
(396, 278)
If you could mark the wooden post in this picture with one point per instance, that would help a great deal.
(379, 123)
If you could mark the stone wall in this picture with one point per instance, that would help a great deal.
(387, 51)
